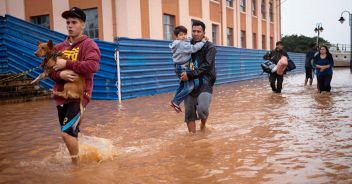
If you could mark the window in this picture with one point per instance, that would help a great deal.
(229, 36)
(263, 42)
(271, 11)
(243, 39)
(243, 5)
(254, 8)
(254, 40)
(263, 9)
(214, 33)
(169, 24)
(42, 20)
(271, 42)
(92, 29)
(229, 3)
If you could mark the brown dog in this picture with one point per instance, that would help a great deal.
(72, 90)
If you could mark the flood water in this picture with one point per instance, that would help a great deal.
(252, 136)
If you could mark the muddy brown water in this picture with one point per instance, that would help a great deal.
(252, 136)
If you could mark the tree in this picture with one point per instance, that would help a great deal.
(294, 43)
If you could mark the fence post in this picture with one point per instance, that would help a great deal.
(117, 59)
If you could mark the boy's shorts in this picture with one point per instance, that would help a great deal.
(69, 115)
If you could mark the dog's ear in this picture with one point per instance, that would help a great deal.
(50, 44)
(39, 42)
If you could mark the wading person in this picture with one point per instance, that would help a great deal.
(83, 57)
(323, 63)
(309, 60)
(181, 54)
(275, 56)
(202, 67)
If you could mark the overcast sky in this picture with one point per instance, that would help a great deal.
(301, 16)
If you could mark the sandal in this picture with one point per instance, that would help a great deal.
(176, 107)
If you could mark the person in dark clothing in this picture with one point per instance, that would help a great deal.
(324, 64)
(274, 56)
(309, 65)
(202, 67)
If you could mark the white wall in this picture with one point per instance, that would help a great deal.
(60, 6)
(128, 15)
(107, 20)
(12, 7)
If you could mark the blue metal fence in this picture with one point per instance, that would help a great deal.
(147, 68)
(18, 40)
(146, 65)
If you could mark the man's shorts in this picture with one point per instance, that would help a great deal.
(69, 115)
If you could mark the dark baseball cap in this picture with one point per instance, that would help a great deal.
(74, 12)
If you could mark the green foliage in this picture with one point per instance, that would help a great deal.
(295, 43)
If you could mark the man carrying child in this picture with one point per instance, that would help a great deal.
(182, 50)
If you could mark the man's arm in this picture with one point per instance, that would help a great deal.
(89, 65)
(205, 66)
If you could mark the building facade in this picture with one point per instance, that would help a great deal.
(239, 23)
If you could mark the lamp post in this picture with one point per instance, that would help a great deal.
(342, 20)
(318, 28)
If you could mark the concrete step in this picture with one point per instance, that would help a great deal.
(20, 90)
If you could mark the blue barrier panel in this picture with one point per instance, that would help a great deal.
(18, 40)
(146, 65)
(147, 68)
(3, 49)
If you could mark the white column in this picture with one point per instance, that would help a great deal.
(238, 23)
(2, 7)
(275, 21)
(107, 20)
(184, 15)
(13, 7)
(267, 25)
(206, 18)
(59, 23)
(129, 18)
(224, 23)
(249, 34)
(260, 31)
(156, 19)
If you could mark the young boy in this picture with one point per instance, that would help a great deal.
(181, 54)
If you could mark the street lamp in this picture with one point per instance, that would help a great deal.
(318, 28)
(342, 20)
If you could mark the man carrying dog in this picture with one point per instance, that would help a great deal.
(83, 57)
(202, 68)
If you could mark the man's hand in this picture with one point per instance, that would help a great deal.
(184, 76)
(60, 64)
(68, 75)
(206, 38)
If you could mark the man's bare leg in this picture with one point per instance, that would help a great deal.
(191, 127)
(72, 146)
(202, 125)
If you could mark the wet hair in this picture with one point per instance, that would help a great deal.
(199, 23)
(279, 43)
(180, 29)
